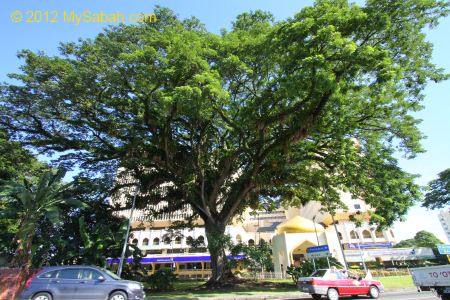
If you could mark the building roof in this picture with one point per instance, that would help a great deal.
(299, 225)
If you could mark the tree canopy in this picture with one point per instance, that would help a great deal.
(422, 238)
(265, 113)
(438, 195)
(15, 161)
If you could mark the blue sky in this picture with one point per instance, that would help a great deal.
(215, 15)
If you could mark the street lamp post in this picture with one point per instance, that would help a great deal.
(315, 230)
(361, 254)
(122, 256)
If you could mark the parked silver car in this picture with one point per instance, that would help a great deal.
(80, 282)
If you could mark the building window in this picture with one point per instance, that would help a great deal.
(167, 241)
(178, 240)
(357, 206)
(379, 234)
(155, 241)
(392, 233)
(354, 235)
(135, 242)
(251, 242)
(145, 242)
(201, 240)
(366, 234)
(340, 236)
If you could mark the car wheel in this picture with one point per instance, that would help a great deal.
(374, 293)
(316, 296)
(42, 296)
(332, 294)
(119, 295)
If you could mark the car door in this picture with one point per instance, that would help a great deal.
(363, 287)
(64, 286)
(90, 287)
(357, 285)
(343, 283)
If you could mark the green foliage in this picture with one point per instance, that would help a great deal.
(258, 258)
(15, 161)
(438, 195)
(195, 243)
(268, 112)
(306, 267)
(100, 242)
(421, 239)
(162, 280)
(31, 203)
(86, 236)
(408, 243)
(134, 270)
(426, 239)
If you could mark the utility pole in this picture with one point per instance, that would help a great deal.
(122, 257)
(361, 254)
(315, 230)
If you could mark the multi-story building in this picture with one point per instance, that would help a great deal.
(165, 247)
(444, 218)
(290, 232)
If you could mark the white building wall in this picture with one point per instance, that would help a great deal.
(444, 219)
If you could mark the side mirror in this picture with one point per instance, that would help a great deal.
(101, 278)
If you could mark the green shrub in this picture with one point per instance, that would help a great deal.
(306, 267)
(162, 280)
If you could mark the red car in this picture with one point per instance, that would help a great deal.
(334, 283)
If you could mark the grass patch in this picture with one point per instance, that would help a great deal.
(396, 282)
(189, 289)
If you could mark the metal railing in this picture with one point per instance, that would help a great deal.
(263, 275)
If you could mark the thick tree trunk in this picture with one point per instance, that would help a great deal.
(215, 233)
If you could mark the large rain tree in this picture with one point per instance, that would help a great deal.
(266, 112)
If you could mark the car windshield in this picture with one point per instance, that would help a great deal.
(319, 273)
(111, 274)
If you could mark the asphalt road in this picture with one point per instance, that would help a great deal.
(401, 295)
(409, 295)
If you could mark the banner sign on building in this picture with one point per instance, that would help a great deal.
(171, 259)
(318, 251)
(353, 246)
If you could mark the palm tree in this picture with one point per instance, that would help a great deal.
(29, 202)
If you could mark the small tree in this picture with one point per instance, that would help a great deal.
(257, 258)
(306, 268)
(31, 202)
(423, 239)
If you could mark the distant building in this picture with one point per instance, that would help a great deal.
(444, 218)
(290, 232)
